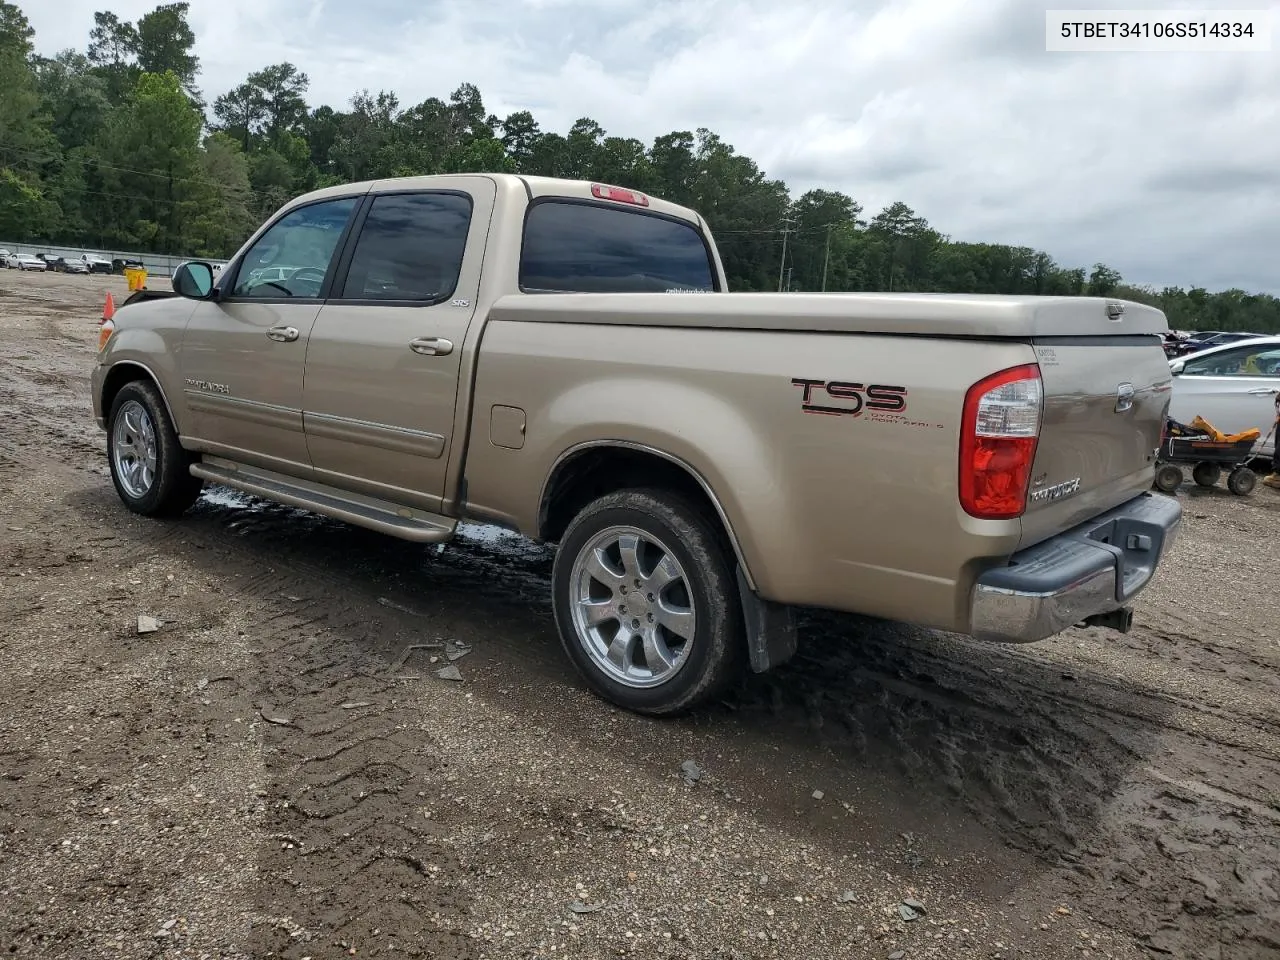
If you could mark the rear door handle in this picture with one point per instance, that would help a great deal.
(431, 346)
(1264, 391)
(283, 334)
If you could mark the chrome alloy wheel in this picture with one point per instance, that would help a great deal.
(632, 607)
(133, 449)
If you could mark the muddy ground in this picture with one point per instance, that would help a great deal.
(262, 776)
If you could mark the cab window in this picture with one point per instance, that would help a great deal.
(293, 256)
(410, 248)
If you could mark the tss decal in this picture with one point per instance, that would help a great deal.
(855, 398)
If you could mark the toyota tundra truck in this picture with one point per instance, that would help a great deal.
(564, 359)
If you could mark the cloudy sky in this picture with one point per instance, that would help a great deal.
(1166, 165)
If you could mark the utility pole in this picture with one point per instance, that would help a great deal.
(826, 259)
(789, 269)
(786, 229)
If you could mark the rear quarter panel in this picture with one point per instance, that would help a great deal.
(851, 512)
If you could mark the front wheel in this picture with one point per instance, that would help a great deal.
(149, 468)
(646, 602)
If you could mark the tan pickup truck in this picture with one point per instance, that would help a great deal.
(563, 358)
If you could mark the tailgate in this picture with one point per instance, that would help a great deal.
(1105, 400)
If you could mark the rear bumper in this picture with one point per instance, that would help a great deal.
(1091, 570)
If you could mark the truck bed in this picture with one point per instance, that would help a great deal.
(978, 316)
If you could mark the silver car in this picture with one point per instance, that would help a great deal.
(1233, 386)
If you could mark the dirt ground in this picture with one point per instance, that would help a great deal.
(265, 776)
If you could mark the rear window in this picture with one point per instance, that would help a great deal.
(585, 248)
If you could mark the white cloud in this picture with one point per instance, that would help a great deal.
(1165, 166)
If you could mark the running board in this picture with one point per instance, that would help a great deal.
(370, 512)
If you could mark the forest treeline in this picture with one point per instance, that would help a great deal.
(117, 146)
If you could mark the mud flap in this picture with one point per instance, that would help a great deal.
(771, 628)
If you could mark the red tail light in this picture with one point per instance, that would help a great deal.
(998, 438)
(602, 192)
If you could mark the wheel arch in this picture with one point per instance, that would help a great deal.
(594, 468)
(124, 372)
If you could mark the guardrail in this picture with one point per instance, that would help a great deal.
(155, 263)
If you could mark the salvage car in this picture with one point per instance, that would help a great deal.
(25, 261)
(1233, 386)
(564, 358)
(94, 263)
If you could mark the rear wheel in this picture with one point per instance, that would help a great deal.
(1241, 481)
(1206, 474)
(646, 602)
(149, 468)
(1168, 478)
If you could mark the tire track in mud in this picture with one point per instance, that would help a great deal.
(1074, 772)
(1057, 766)
(350, 858)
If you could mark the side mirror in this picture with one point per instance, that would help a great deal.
(1177, 367)
(193, 279)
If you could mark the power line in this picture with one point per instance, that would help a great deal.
(98, 161)
(787, 221)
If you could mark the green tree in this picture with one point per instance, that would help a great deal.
(520, 132)
(72, 96)
(1103, 280)
(113, 50)
(152, 148)
(24, 211)
(224, 217)
(165, 42)
(15, 30)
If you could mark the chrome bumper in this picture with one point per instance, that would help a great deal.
(1087, 572)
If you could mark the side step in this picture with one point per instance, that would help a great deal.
(381, 515)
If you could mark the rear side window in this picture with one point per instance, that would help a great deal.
(410, 248)
(586, 248)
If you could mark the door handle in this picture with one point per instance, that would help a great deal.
(431, 346)
(1264, 391)
(283, 334)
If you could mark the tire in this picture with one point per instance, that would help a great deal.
(1241, 481)
(1168, 478)
(140, 433)
(1206, 474)
(691, 668)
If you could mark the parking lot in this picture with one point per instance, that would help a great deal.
(273, 772)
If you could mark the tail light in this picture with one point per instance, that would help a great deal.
(998, 438)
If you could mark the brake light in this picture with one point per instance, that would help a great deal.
(602, 192)
(105, 329)
(998, 437)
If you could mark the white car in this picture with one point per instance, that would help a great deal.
(25, 261)
(1234, 386)
(95, 263)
